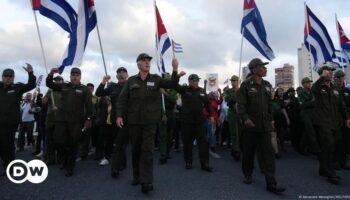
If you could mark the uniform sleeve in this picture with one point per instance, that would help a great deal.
(101, 91)
(123, 100)
(31, 83)
(52, 85)
(242, 103)
(169, 84)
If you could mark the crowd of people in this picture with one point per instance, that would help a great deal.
(150, 112)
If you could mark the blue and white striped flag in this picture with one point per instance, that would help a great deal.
(341, 59)
(177, 48)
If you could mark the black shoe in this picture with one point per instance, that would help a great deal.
(207, 168)
(337, 166)
(344, 166)
(20, 149)
(146, 188)
(248, 180)
(278, 156)
(135, 182)
(114, 173)
(162, 160)
(188, 166)
(68, 173)
(35, 153)
(334, 180)
(236, 155)
(274, 189)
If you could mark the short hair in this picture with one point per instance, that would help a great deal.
(90, 84)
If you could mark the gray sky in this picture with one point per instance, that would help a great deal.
(208, 30)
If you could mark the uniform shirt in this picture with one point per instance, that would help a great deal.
(113, 91)
(27, 115)
(231, 99)
(328, 106)
(344, 94)
(76, 100)
(193, 102)
(140, 100)
(306, 101)
(10, 98)
(254, 103)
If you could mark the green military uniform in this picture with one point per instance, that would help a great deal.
(327, 121)
(10, 98)
(309, 139)
(193, 123)
(50, 124)
(342, 146)
(233, 119)
(167, 127)
(76, 108)
(140, 102)
(254, 103)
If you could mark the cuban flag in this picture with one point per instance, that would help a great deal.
(177, 47)
(253, 29)
(341, 59)
(86, 22)
(317, 40)
(344, 41)
(162, 41)
(59, 11)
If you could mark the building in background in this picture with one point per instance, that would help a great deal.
(284, 77)
(305, 63)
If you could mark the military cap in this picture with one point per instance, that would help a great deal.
(143, 56)
(306, 80)
(326, 66)
(339, 73)
(58, 78)
(8, 72)
(75, 70)
(193, 77)
(121, 69)
(234, 78)
(255, 62)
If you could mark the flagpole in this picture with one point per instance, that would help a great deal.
(100, 42)
(308, 32)
(42, 49)
(172, 44)
(240, 59)
(155, 15)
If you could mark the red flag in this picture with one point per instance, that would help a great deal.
(36, 4)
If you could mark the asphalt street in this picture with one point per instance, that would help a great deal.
(299, 174)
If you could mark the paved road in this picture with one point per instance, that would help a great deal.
(171, 181)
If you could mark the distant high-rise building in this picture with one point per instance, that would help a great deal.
(284, 77)
(305, 62)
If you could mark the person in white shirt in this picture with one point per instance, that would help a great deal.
(27, 124)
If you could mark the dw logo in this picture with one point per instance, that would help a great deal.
(35, 171)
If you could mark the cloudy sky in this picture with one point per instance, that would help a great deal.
(208, 30)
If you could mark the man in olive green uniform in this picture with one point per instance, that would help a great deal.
(254, 108)
(10, 98)
(53, 112)
(308, 141)
(343, 144)
(140, 102)
(194, 99)
(122, 139)
(232, 117)
(76, 108)
(167, 124)
(327, 118)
